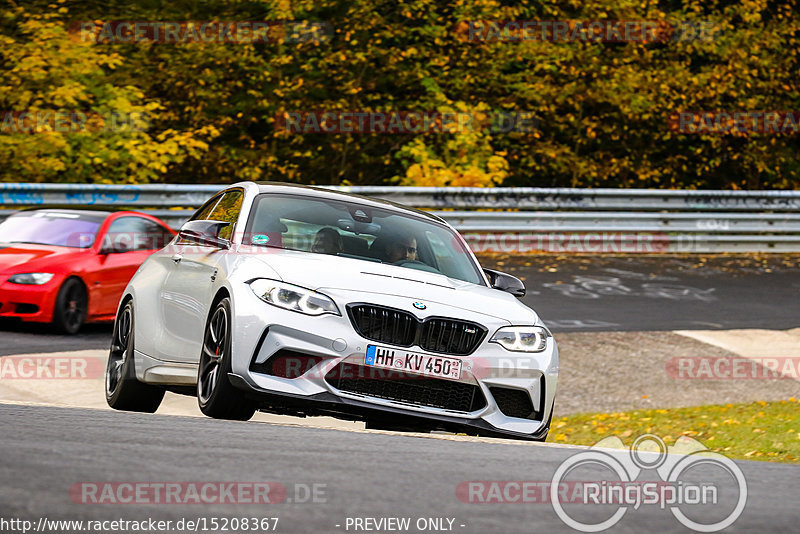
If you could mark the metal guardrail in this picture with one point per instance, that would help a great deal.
(545, 219)
(526, 198)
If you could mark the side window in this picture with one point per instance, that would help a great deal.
(158, 237)
(205, 209)
(136, 233)
(444, 256)
(227, 209)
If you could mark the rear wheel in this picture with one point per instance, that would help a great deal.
(71, 307)
(216, 396)
(123, 390)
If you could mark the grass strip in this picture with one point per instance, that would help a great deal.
(755, 431)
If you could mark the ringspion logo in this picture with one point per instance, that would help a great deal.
(696, 479)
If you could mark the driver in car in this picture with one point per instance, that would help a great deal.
(327, 241)
(402, 249)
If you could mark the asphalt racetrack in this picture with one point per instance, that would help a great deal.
(344, 478)
(48, 450)
(656, 293)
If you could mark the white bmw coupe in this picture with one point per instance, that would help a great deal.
(307, 301)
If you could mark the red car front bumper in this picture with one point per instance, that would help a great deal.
(29, 302)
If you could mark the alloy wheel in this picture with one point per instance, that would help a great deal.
(213, 350)
(119, 349)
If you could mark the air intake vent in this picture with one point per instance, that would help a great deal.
(407, 388)
(286, 364)
(513, 402)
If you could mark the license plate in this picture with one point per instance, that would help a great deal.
(413, 362)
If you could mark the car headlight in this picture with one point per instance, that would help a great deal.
(294, 298)
(522, 338)
(31, 279)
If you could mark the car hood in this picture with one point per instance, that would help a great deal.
(23, 257)
(357, 277)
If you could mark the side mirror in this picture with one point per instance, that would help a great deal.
(505, 282)
(115, 248)
(205, 233)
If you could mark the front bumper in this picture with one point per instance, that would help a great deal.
(265, 332)
(29, 302)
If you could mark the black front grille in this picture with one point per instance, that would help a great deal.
(407, 388)
(513, 402)
(384, 324)
(450, 336)
(397, 327)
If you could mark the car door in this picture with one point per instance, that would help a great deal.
(185, 296)
(127, 242)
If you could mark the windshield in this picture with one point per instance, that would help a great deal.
(324, 226)
(50, 228)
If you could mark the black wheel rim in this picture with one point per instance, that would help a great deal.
(213, 350)
(74, 307)
(119, 350)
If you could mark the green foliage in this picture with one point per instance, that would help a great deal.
(46, 71)
(602, 109)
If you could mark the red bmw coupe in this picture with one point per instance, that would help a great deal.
(68, 267)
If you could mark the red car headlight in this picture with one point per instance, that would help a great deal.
(31, 279)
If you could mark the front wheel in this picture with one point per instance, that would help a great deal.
(123, 390)
(71, 307)
(215, 394)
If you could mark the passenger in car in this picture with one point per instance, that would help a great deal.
(327, 241)
(402, 249)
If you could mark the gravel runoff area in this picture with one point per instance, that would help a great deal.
(622, 371)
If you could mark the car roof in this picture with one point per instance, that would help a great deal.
(86, 215)
(322, 192)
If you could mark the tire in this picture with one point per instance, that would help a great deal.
(216, 396)
(123, 390)
(72, 304)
